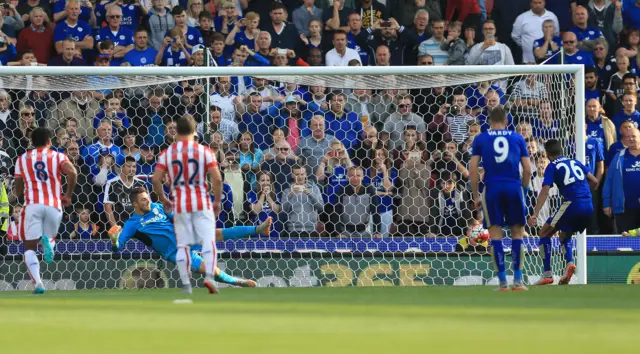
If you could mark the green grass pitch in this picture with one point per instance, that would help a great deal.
(471, 320)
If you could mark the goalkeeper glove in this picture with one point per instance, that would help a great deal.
(114, 234)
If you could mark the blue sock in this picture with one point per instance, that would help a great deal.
(545, 250)
(497, 253)
(567, 244)
(516, 256)
(233, 233)
(226, 278)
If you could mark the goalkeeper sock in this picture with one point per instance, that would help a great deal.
(545, 251)
(210, 257)
(568, 249)
(226, 278)
(497, 253)
(183, 263)
(33, 265)
(517, 251)
(238, 232)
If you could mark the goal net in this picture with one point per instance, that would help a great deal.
(288, 140)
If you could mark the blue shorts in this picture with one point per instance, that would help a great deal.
(196, 259)
(503, 205)
(572, 216)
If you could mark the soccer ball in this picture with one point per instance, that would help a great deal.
(479, 234)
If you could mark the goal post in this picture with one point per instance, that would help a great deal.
(412, 258)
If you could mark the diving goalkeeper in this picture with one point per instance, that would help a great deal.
(153, 226)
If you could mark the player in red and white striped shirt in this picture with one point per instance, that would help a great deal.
(186, 164)
(38, 178)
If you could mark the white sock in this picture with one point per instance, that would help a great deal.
(33, 264)
(183, 261)
(209, 255)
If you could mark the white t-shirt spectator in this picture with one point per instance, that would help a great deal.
(497, 54)
(332, 58)
(226, 105)
(528, 28)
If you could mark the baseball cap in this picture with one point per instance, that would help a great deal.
(197, 48)
(103, 57)
(290, 99)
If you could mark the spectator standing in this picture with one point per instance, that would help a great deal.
(573, 55)
(448, 211)
(467, 12)
(455, 46)
(302, 202)
(340, 55)
(74, 29)
(365, 151)
(191, 35)
(413, 212)
(344, 125)
(585, 33)
(11, 22)
(432, 45)
(382, 176)
(249, 157)
(629, 111)
(371, 11)
(545, 49)
(142, 54)
(314, 146)
(304, 14)
(263, 202)
(503, 17)
(490, 52)
(121, 36)
(598, 126)
(528, 28)
(455, 117)
(38, 36)
(174, 50)
(336, 17)
(357, 205)
(117, 203)
(103, 145)
(159, 21)
(606, 15)
(25, 8)
(244, 36)
(332, 174)
(397, 122)
(227, 17)
(86, 13)
(591, 88)
(283, 34)
(621, 192)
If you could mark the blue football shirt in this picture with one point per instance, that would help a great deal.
(570, 176)
(154, 229)
(500, 152)
(595, 153)
(76, 33)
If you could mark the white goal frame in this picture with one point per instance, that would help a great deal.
(507, 70)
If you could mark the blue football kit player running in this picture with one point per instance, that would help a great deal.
(573, 180)
(153, 226)
(502, 152)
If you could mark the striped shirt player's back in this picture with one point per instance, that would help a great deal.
(187, 163)
(41, 169)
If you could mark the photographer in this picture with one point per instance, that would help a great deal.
(302, 203)
(8, 51)
(10, 21)
(403, 117)
(455, 117)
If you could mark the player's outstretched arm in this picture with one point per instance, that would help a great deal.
(72, 178)
(542, 198)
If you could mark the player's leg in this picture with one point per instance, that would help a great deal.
(50, 226)
(237, 232)
(31, 231)
(493, 219)
(544, 245)
(198, 265)
(580, 219)
(204, 226)
(184, 239)
(566, 243)
(516, 216)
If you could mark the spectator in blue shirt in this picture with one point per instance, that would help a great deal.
(344, 126)
(257, 122)
(142, 54)
(174, 51)
(545, 49)
(8, 51)
(245, 31)
(228, 16)
(112, 111)
(86, 11)
(629, 111)
(631, 14)
(586, 34)
(191, 35)
(104, 143)
(217, 49)
(598, 126)
(591, 88)
(621, 192)
(121, 37)
(626, 129)
(73, 28)
(132, 13)
(573, 55)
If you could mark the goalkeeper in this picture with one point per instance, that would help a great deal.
(153, 226)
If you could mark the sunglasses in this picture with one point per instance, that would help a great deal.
(428, 63)
(403, 106)
(283, 149)
(27, 114)
(568, 42)
(114, 16)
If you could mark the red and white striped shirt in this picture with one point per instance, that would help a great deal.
(40, 169)
(187, 163)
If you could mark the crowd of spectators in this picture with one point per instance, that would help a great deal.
(321, 161)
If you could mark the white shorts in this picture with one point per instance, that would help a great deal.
(39, 220)
(195, 227)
